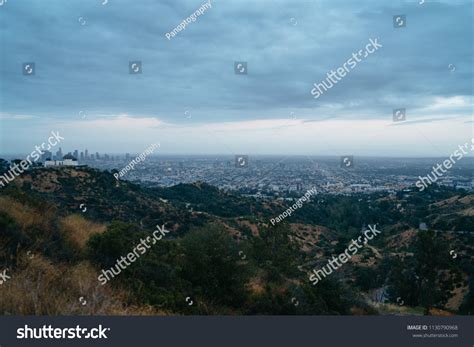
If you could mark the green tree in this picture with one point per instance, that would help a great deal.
(275, 252)
(209, 261)
(423, 279)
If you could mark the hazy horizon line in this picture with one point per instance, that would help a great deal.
(248, 154)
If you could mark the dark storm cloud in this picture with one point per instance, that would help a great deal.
(287, 47)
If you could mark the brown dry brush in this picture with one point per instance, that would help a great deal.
(39, 287)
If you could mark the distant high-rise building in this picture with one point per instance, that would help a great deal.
(97, 155)
(86, 155)
(59, 154)
(76, 154)
(82, 156)
(127, 156)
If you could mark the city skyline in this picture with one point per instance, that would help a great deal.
(14, 155)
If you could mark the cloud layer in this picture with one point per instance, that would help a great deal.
(81, 52)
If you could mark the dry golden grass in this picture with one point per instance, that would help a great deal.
(231, 230)
(78, 230)
(256, 285)
(308, 236)
(468, 199)
(38, 287)
(442, 313)
(402, 239)
(467, 212)
(23, 215)
(449, 201)
(45, 182)
(253, 228)
(393, 309)
(458, 297)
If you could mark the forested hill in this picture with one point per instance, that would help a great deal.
(59, 228)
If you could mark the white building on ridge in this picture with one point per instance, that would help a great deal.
(68, 160)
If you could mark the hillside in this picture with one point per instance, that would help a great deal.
(59, 228)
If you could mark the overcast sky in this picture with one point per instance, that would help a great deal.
(189, 99)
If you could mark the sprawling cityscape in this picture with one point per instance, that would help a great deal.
(262, 176)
